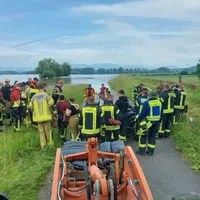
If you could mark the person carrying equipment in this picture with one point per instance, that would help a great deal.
(137, 90)
(6, 96)
(122, 104)
(90, 120)
(1, 106)
(111, 123)
(43, 109)
(72, 112)
(57, 91)
(61, 107)
(141, 100)
(89, 92)
(148, 121)
(179, 103)
(104, 90)
(167, 100)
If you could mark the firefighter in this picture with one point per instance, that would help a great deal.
(6, 96)
(1, 106)
(104, 90)
(137, 90)
(141, 100)
(34, 83)
(43, 109)
(122, 104)
(90, 120)
(167, 100)
(159, 90)
(57, 91)
(102, 98)
(110, 111)
(33, 91)
(17, 106)
(72, 112)
(149, 123)
(89, 92)
(61, 107)
(179, 103)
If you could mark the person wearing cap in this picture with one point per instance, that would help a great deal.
(90, 120)
(139, 102)
(61, 107)
(43, 109)
(149, 121)
(1, 106)
(104, 90)
(110, 111)
(34, 83)
(6, 96)
(57, 91)
(122, 104)
(89, 92)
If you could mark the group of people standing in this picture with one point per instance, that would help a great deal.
(156, 112)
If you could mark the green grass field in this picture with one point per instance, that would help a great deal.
(185, 134)
(23, 165)
(187, 79)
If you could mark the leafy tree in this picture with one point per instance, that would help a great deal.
(48, 67)
(66, 69)
(48, 73)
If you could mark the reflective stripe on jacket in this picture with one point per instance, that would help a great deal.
(41, 103)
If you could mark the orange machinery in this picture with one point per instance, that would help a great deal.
(122, 179)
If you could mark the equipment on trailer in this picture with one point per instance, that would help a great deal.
(83, 171)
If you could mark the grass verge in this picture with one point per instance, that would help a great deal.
(186, 134)
(23, 165)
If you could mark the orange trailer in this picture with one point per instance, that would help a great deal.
(120, 179)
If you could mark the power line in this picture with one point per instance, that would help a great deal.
(33, 41)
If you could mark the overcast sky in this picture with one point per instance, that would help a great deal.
(140, 32)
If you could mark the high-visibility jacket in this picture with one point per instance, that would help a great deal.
(180, 98)
(139, 104)
(33, 92)
(167, 99)
(110, 111)
(42, 106)
(90, 120)
(89, 92)
(151, 110)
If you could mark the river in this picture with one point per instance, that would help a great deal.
(96, 80)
